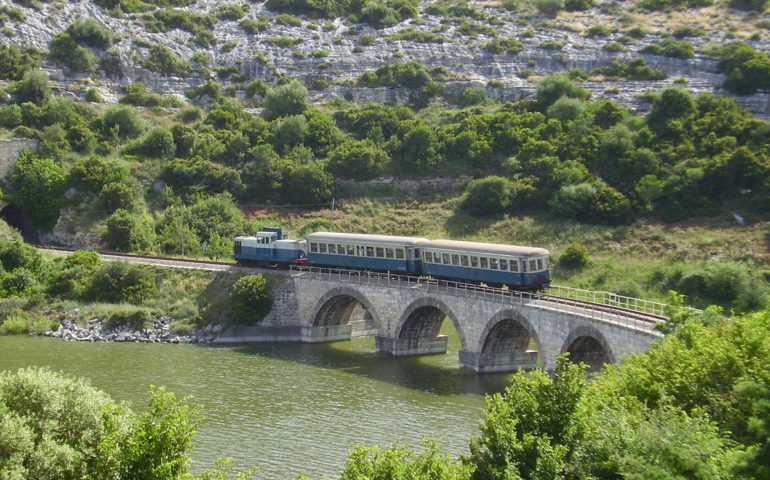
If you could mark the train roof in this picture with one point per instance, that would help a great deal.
(480, 247)
(364, 238)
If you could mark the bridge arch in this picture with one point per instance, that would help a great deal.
(336, 306)
(507, 331)
(586, 344)
(423, 318)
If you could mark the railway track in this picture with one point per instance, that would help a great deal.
(645, 317)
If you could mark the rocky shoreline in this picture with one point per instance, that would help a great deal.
(99, 330)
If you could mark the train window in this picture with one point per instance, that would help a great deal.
(313, 247)
(545, 263)
(523, 265)
(351, 249)
(369, 251)
(464, 260)
(514, 265)
(340, 249)
(539, 263)
(503, 264)
(455, 259)
(416, 253)
(429, 257)
(532, 266)
(493, 263)
(322, 248)
(237, 248)
(475, 262)
(484, 262)
(400, 253)
(388, 252)
(445, 258)
(332, 248)
(380, 252)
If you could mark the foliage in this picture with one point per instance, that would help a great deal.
(162, 59)
(33, 88)
(531, 431)
(399, 463)
(117, 282)
(555, 86)
(124, 120)
(56, 427)
(636, 69)
(357, 160)
(549, 7)
(409, 74)
(250, 300)
(87, 31)
(66, 51)
(128, 232)
(283, 100)
(93, 173)
(575, 257)
(199, 175)
(748, 70)
(39, 184)
(487, 196)
(15, 62)
(15, 254)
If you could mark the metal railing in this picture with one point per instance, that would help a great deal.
(627, 312)
(608, 298)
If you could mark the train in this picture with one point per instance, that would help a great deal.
(495, 265)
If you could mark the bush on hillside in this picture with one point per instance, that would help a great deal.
(117, 282)
(250, 300)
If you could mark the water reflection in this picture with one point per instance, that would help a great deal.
(435, 374)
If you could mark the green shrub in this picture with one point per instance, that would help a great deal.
(749, 5)
(15, 323)
(16, 62)
(254, 26)
(688, 31)
(574, 257)
(250, 300)
(87, 31)
(507, 45)
(284, 100)
(93, 96)
(162, 60)
(117, 282)
(549, 7)
(487, 196)
(598, 31)
(231, 12)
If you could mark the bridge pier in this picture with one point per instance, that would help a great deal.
(498, 362)
(326, 333)
(411, 346)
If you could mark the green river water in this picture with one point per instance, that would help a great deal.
(286, 409)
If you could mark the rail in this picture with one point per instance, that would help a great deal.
(608, 298)
(636, 315)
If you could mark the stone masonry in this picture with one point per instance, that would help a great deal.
(498, 332)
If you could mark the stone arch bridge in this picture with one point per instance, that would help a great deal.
(498, 330)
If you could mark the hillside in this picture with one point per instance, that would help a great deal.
(504, 48)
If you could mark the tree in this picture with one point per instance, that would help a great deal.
(308, 184)
(55, 427)
(399, 463)
(555, 86)
(674, 103)
(32, 88)
(39, 184)
(487, 196)
(250, 300)
(532, 430)
(125, 119)
(129, 232)
(283, 100)
(357, 160)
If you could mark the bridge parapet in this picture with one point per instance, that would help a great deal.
(606, 307)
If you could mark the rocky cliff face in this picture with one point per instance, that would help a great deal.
(255, 57)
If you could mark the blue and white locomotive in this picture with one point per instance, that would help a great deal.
(269, 248)
(521, 268)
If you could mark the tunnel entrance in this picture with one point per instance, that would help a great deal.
(14, 216)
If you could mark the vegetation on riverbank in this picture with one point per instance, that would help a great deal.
(693, 406)
(36, 291)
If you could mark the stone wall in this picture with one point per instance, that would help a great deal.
(10, 151)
